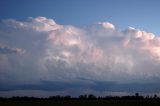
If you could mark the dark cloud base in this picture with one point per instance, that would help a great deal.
(94, 85)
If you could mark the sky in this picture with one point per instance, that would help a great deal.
(141, 14)
(73, 47)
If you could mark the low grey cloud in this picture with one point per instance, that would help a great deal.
(8, 50)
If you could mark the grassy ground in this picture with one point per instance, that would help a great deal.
(82, 103)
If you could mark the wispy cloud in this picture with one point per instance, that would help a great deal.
(8, 50)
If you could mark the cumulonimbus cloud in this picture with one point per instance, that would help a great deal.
(55, 52)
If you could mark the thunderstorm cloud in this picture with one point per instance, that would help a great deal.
(39, 52)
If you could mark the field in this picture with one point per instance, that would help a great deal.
(82, 103)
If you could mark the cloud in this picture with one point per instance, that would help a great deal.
(65, 53)
(7, 50)
(82, 87)
(106, 25)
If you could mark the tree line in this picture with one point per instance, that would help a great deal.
(85, 97)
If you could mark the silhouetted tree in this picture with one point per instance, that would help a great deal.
(155, 96)
(91, 96)
(67, 97)
(83, 97)
(136, 94)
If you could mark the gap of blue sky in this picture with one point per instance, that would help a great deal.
(142, 14)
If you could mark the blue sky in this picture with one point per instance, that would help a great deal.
(72, 47)
(142, 14)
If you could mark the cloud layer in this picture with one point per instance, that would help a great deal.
(39, 49)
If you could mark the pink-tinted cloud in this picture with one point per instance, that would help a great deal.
(64, 52)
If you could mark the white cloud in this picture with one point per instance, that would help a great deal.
(107, 25)
(64, 53)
